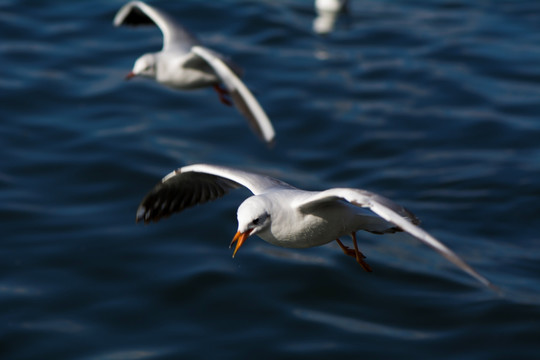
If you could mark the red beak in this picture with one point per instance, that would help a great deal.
(130, 75)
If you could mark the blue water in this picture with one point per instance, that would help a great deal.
(434, 104)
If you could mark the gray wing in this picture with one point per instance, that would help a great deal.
(175, 36)
(394, 214)
(243, 99)
(198, 184)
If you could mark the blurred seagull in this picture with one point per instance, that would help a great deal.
(289, 217)
(184, 64)
(327, 14)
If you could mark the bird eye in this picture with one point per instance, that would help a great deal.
(260, 219)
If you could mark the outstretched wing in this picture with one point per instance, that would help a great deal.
(175, 36)
(243, 99)
(198, 184)
(394, 214)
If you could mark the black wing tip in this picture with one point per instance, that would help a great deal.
(270, 143)
(131, 14)
(146, 216)
(175, 194)
(142, 215)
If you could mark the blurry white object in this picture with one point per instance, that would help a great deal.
(327, 14)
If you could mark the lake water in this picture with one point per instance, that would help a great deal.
(434, 104)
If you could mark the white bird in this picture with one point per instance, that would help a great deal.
(286, 216)
(183, 63)
(327, 14)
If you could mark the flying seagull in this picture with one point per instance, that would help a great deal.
(283, 215)
(183, 63)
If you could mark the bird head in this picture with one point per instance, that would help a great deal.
(253, 217)
(144, 66)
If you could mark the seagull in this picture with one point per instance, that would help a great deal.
(327, 14)
(286, 216)
(183, 63)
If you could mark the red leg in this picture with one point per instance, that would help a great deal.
(347, 251)
(359, 256)
(355, 253)
(222, 93)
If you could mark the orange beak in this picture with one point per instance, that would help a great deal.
(239, 238)
(130, 75)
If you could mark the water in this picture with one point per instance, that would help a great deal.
(432, 103)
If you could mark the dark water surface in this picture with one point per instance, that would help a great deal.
(434, 104)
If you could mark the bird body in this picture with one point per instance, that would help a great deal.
(185, 72)
(292, 228)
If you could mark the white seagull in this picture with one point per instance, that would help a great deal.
(286, 216)
(184, 64)
(327, 14)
